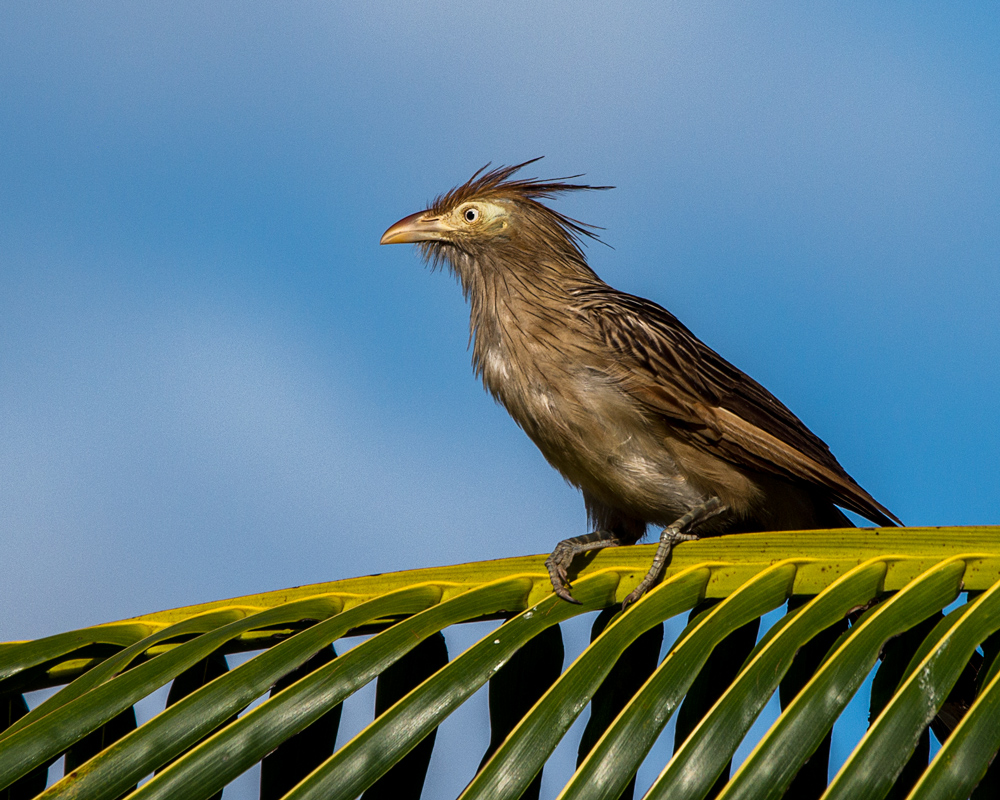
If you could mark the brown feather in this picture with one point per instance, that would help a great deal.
(726, 411)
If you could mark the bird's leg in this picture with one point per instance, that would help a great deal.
(672, 534)
(562, 557)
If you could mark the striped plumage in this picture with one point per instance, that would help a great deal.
(649, 422)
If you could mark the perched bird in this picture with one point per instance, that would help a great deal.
(650, 423)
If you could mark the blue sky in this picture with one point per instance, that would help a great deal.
(214, 382)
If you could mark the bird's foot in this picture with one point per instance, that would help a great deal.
(668, 538)
(674, 534)
(558, 563)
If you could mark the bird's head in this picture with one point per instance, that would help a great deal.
(495, 218)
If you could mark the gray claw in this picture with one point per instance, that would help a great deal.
(632, 597)
(563, 592)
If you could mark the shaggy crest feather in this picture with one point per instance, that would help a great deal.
(498, 184)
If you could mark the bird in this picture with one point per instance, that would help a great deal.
(628, 405)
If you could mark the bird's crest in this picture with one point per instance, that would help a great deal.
(498, 183)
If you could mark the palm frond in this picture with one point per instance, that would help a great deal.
(939, 670)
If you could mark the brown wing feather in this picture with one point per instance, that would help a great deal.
(725, 412)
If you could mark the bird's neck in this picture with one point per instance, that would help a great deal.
(520, 312)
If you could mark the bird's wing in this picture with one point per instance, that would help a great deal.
(724, 412)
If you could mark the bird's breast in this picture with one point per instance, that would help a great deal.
(593, 433)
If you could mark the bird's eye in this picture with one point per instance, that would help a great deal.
(471, 214)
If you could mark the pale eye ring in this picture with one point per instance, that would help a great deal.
(471, 214)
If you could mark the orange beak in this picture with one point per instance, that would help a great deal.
(415, 228)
